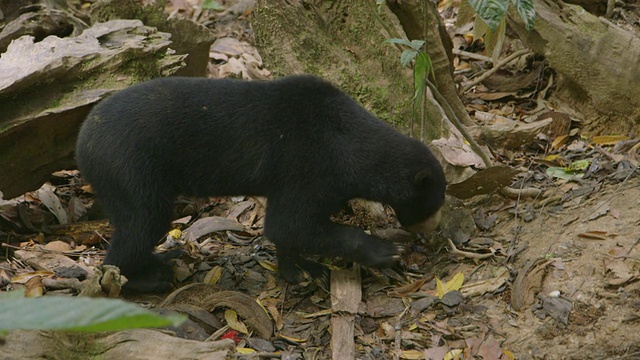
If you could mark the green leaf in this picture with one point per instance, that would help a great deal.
(526, 11)
(494, 40)
(578, 165)
(561, 173)
(212, 5)
(490, 11)
(407, 56)
(399, 41)
(420, 73)
(77, 314)
(465, 14)
(417, 44)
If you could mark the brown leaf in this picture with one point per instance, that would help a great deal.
(483, 182)
(594, 235)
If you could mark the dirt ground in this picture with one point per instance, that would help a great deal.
(598, 276)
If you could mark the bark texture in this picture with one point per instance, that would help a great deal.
(343, 41)
(598, 63)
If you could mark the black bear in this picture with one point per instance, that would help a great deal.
(300, 141)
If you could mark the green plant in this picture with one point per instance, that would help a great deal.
(76, 314)
(422, 68)
(490, 19)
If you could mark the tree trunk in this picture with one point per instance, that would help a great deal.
(438, 46)
(597, 62)
(343, 41)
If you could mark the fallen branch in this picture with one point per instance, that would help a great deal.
(470, 255)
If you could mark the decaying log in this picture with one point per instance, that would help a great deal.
(48, 87)
(49, 84)
(131, 344)
(597, 61)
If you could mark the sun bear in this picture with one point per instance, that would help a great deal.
(299, 141)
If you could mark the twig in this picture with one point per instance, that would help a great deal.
(467, 254)
(451, 116)
(495, 68)
(522, 192)
(472, 55)
(632, 246)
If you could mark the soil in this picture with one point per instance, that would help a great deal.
(599, 277)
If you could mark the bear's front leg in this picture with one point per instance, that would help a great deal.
(297, 231)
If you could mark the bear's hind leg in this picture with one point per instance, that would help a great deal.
(139, 225)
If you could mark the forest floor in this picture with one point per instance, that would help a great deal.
(549, 277)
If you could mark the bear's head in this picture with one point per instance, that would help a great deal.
(420, 212)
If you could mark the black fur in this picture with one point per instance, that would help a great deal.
(301, 142)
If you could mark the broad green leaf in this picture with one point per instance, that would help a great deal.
(420, 73)
(465, 14)
(399, 41)
(561, 173)
(414, 44)
(494, 40)
(577, 165)
(490, 11)
(526, 11)
(407, 56)
(77, 314)
(417, 44)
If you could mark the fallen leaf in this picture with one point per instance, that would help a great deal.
(594, 235)
(209, 225)
(436, 353)
(453, 354)
(275, 315)
(268, 265)
(57, 245)
(411, 354)
(213, 275)
(245, 351)
(402, 291)
(292, 339)
(487, 285)
(231, 317)
(577, 165)
(558, 308)
(483, 182)
(490, 349)
(48, 197)
(600, 210)
(609, 139)
(563, 173)
(559, 141)
(509, 355)
(33, 287)
(454, 284)
(621, 271)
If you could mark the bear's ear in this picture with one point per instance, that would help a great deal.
(422, 179)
